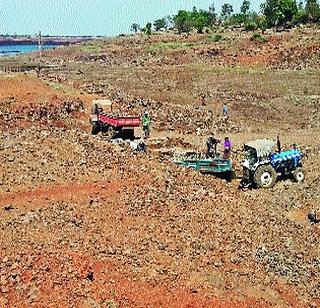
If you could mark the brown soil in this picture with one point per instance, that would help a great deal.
(88, 223)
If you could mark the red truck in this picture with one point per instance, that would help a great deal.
(111, 125)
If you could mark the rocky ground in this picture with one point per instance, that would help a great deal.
(89, 223)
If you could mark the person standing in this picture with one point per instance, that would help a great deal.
(202, 99)
(146, 121)
(227, 148)
(212, 146)
(225, 111)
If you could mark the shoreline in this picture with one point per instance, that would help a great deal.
(54, 40)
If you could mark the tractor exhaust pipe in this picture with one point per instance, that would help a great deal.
(278, 144)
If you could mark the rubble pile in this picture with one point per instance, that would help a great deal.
(213, 55)
(314, 105)
(41, 111)
(202, 208)
(174, 186)
(297, 58)
(165, 116)
(113, 57)
(33, 157)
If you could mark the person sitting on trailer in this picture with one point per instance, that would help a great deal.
(212, 146)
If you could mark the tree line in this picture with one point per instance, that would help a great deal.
(273, 13)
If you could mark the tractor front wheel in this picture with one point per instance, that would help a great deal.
(299, 175)
(265, 176)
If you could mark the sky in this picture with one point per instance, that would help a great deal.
(93, 17)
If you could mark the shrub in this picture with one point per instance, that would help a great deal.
(250, 26)
(216, 38)
(257, 37)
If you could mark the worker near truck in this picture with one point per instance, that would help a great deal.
(146, 121)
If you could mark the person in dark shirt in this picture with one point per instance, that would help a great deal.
(212, 146)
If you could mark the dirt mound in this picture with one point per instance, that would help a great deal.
(21, 91)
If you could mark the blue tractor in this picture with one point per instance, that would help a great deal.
(263, 165)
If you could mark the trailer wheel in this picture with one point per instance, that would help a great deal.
(95, 129)
(265, 176)
(229, 176)
(299, 175)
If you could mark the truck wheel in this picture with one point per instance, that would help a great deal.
(110, 132)
(95, 129)
(265, 176)
(130, 134)
(299, 174)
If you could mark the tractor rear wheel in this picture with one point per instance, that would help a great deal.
(265, 176)
(299, 174)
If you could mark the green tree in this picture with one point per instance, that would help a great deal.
(169, 21)
(226, 11)
(300, 6)
(241, 18)
(197, 19)
(204, 19)
(301, 16)
(212, 11)
(279, 12)
(183, 21)
(237, 19)
(135, 27)
(245, 8)
(148, 28)
(199, 23)
(312, 10)
(160, 24)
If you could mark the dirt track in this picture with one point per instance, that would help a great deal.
(88, 223)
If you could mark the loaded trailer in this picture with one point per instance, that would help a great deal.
(217, 166)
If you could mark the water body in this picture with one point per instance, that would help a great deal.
(14, 50)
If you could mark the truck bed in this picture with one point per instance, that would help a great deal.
(119, 121)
